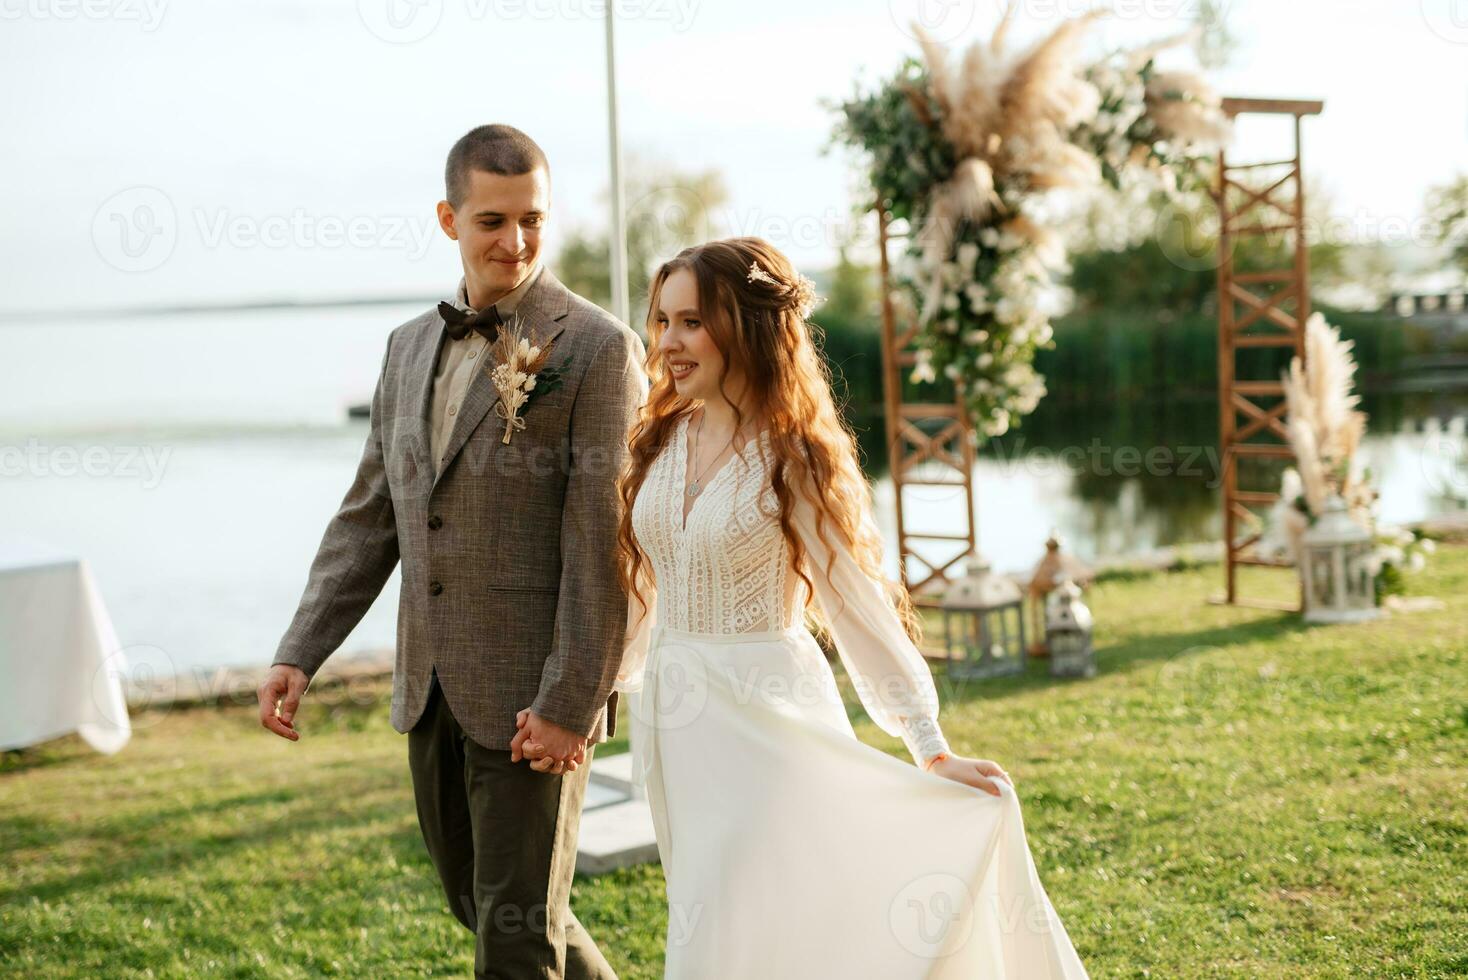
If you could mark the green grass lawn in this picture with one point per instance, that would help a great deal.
(1235, 794)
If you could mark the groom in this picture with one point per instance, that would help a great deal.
(510, 602)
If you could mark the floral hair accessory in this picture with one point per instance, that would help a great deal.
(805, 296)
(757, 274)
(804, 289)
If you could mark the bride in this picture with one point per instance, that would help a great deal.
(790, 848)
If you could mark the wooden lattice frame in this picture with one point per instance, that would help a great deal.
(951, 446)
(1247, 427)
(949, 449)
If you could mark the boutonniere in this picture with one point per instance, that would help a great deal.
(519, 371)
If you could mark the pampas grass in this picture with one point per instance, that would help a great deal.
(969, 145)
(1009, 118)
(1186, 109)
(1323, 425)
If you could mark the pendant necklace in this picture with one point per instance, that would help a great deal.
(696, 486)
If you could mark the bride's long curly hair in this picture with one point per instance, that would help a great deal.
(759, 326)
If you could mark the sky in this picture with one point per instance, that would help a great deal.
(158, 152)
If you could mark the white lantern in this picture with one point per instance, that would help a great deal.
(1335, 568)
(983, 623)
(1068, 633)
(1052, 569)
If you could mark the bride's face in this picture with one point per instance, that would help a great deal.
(686, 348)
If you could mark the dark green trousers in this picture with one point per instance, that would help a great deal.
(503, 838)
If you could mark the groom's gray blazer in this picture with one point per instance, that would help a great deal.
(509, 583)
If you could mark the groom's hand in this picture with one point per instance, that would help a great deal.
(548, 746)
(284, 684)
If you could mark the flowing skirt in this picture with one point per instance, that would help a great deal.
(793, 850)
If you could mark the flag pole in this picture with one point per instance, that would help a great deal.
(617, 241)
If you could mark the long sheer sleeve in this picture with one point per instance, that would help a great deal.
(891, 677)
(639, 633)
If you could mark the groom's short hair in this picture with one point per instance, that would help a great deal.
(496, 149)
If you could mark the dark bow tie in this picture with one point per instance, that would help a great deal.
(458, 324)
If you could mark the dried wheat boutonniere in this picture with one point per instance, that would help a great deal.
(519, 372)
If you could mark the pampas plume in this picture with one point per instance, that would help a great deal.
(1185, 108)
(1323, 425)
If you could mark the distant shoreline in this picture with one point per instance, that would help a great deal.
(72, 313)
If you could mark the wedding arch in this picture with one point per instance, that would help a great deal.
(1257, 308)
(966, 155)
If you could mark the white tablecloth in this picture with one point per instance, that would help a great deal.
(61, 667)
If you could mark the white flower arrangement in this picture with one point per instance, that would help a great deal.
(519, 372)
(967, 149)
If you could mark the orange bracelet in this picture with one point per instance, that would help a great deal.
(928, 766)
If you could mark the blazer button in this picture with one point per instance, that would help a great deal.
(435, 522)
(434, 588)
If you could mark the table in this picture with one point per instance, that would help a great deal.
(61, 667)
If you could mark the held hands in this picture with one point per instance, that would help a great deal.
(981, 773)
(549, 747)
(284, 684)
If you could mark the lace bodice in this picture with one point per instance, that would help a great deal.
(720, 574)
(729, 571)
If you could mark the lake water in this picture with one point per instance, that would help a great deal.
(194, 461)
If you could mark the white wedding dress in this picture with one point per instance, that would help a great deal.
(791, 849)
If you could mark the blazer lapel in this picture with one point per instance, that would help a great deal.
(544, 308)
(425, 365)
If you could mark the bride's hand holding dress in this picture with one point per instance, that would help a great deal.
(980, 773)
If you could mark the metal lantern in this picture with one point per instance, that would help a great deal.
(983, 623)
(1053, 568)
(1068, 633)
(1335, 568)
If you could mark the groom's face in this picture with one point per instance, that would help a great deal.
(498, 227)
